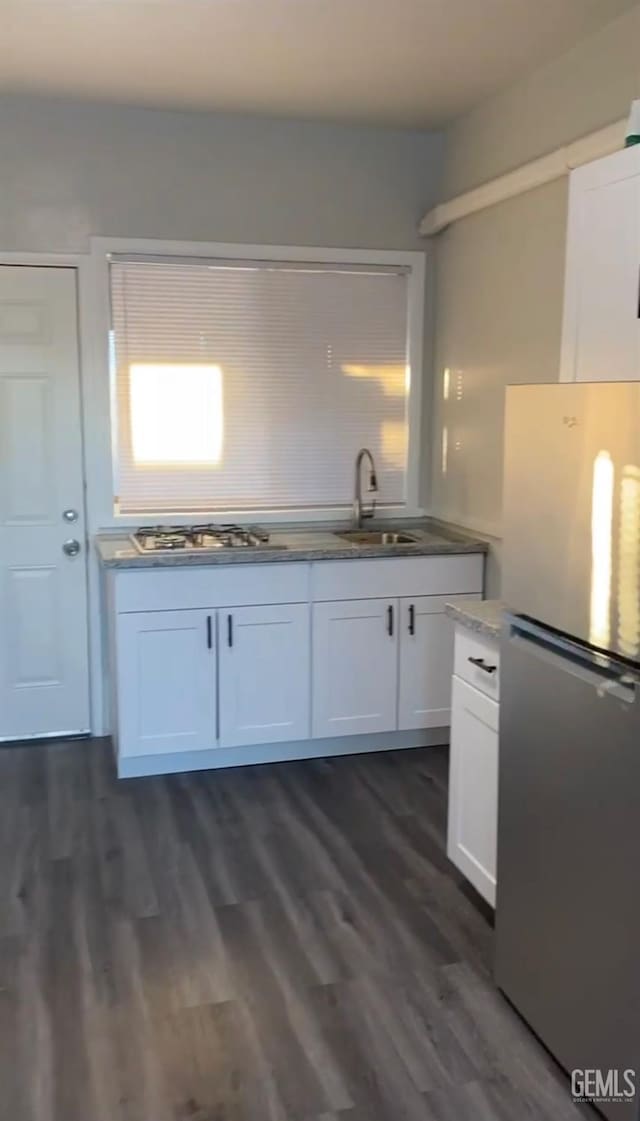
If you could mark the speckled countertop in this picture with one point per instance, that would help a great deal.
(297, 543)
(484, 616)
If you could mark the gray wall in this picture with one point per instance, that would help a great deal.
(500, 272)
(71, 170)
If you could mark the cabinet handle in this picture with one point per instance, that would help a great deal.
(390, 620)
(481, 664)
(229, 630)
(412, 619)
(209, 633)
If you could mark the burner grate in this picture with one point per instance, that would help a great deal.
(150, 539)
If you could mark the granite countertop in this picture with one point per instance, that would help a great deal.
(297, 543)
(484, 616)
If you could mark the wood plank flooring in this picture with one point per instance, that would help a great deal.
(274, 943)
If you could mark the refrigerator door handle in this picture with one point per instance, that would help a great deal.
(623, 686)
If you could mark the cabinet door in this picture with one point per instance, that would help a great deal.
(473, 787)
(601, 334)
(264, 674)
(166, 689)
(426, 662)
(355, 667)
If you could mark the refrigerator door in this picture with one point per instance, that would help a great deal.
(568, 904)
(572, 510)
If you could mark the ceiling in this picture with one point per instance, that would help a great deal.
(412, 63)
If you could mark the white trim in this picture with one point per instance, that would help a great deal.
(525, 178)
(98, 432)
(102, 246)
(80, 262)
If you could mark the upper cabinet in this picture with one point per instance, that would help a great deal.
(601, 327)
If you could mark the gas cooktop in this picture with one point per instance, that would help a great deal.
(199, 538)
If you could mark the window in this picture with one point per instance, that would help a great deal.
(250, 385)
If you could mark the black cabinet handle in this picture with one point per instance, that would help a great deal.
(481, 664)
(230, 630)
(209, 633)
(390, 620)
(412, 619)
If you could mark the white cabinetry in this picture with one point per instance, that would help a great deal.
(264, 674)
(193, 680)
(166, 681)
(381, 665)
(601, 330)
(426, 658)
(473, 765)
(355, 667)
(227, 662)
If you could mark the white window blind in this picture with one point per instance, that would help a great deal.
(242, 385)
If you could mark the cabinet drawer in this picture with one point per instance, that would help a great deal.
(469, 650)
(397, 576)
(246, 585)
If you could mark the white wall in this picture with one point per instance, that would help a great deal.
(500, 272)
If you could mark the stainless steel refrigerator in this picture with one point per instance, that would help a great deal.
(568, 899)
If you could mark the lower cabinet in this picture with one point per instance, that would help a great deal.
(192, 680)
(381, 665)
(355, 667)
(355, 652)
(473, 786)
(264, 655)
(166, 681)
(426, 662)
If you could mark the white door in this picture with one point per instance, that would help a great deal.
(264, 674)
(426, 662)
(473, 787)
(601, 333)
(166, 682)
(355, 667)
(44, 679)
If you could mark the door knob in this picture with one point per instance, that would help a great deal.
(70, 515)
(71, 547)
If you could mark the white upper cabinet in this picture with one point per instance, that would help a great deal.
(166, 681)
(264, 674)
(355, 652)
(601, 328)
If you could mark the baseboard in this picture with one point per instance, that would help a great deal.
(214, 758)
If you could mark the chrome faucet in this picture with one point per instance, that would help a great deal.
(359, 514)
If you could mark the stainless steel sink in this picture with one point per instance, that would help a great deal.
(377, 537)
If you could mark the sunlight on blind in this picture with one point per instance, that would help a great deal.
(248, 386)
(176, 413)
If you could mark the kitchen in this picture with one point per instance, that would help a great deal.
(255, 549)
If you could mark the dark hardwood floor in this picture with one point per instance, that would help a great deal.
(273, 943)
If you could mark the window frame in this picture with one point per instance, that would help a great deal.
(100, 438)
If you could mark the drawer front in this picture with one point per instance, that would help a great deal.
(396, 577)
(246, 585)
(471, 649)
